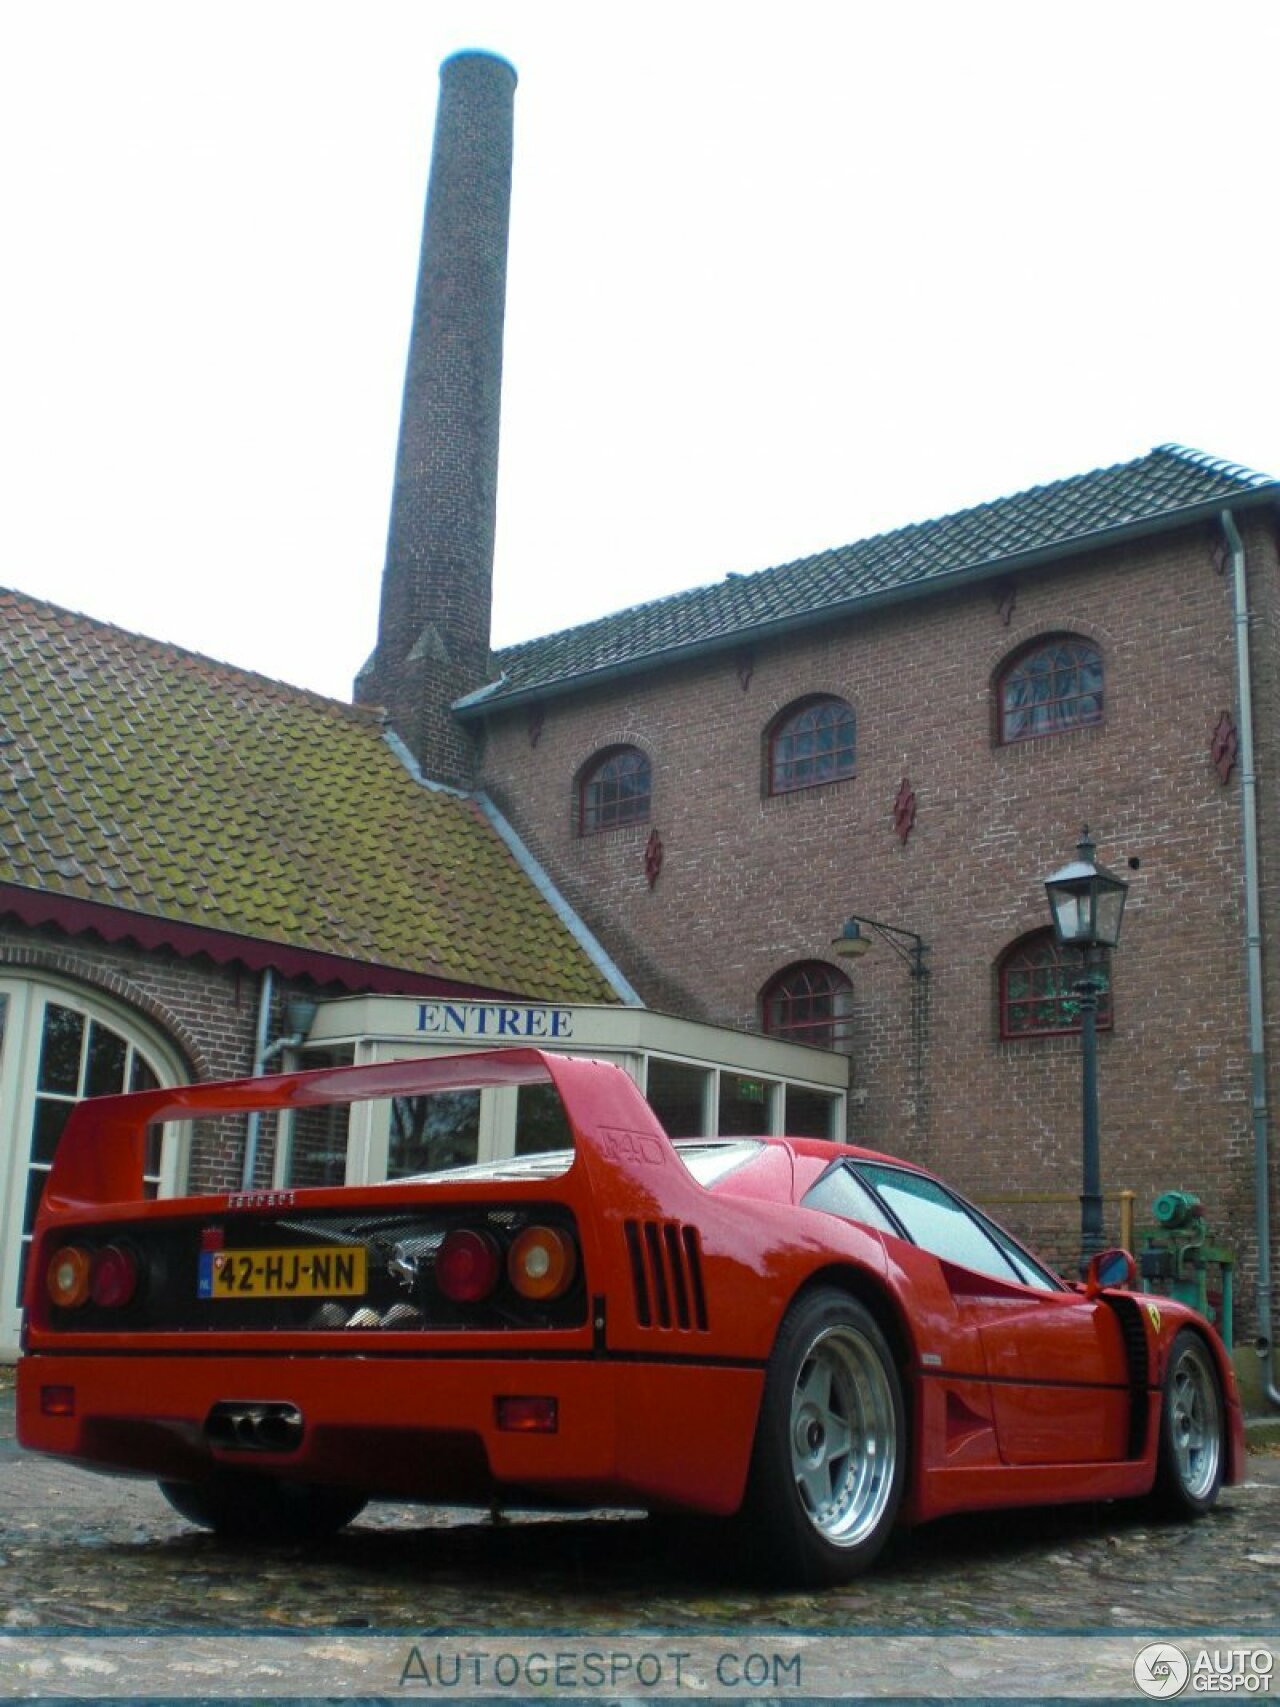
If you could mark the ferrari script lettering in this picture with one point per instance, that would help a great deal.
(261, 1199)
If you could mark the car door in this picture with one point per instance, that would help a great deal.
(1055, 1360)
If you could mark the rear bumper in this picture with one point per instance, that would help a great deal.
(674, 1435)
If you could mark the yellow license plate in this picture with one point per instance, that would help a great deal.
(296, 1271)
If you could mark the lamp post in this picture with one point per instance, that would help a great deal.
(1087, 904)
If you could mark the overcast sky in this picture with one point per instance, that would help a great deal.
(781, 276)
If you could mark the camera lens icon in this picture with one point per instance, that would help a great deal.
(1161, 1670)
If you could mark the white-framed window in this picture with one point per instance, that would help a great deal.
(61, 1043)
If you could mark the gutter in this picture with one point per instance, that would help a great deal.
(492, 698)
(253, 1126)
(1253, 946)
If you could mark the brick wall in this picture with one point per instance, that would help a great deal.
(750, 883)
(208, 1014)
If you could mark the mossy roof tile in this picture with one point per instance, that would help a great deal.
(252, 807)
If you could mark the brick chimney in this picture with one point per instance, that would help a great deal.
(433, 628)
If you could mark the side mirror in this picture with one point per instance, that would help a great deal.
(1109, 1268)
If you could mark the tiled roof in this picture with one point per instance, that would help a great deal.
(1142, 495)
(144, 777)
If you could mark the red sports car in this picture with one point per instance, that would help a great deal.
(811, 1340)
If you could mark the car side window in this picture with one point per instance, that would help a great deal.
(940, 1223)
(842, 1193)
(1031, 1273)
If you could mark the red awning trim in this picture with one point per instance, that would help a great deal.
(75, 917)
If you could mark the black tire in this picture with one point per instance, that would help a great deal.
(829, 1463)
(260, 1508)
(1189, 1465)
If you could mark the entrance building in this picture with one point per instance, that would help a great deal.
(702, 1080)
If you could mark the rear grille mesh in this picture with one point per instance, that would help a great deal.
(666, 1275)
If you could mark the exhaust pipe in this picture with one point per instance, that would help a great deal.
(243, 1425)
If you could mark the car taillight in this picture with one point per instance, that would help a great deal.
(542, 1262)
(109, 1277)
(113, 1276)
(468, 1266)
(67, 1277)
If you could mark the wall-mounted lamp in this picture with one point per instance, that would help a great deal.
(853, 941)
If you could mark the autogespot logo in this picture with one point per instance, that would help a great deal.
(1161, 1670)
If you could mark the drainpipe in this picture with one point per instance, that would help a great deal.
(254, 1124)
(1253, 939)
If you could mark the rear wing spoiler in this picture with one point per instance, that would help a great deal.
(100, 1156)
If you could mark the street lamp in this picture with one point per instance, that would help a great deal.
(1087, 904)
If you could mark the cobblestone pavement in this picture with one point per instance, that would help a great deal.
(80, 1551)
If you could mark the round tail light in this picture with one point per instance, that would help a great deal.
(542, 1262)
(114, 1277)
(468, 1266)
(67, 1277)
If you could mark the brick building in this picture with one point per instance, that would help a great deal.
(913, 729)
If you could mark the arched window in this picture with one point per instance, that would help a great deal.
(1037, 995)
(1050, 686)
(811, 742)
(808, 1003)
(613, 789)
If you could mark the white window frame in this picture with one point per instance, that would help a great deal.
(26, 998)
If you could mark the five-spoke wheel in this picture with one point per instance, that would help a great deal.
(827, 1472)
(1189, 1471)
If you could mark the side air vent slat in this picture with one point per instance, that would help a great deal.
(671, 1239)
(657, 1270)
(666, 1275)
(693, 1258)
(639, 1278)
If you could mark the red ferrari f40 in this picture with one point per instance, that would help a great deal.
(810, 1341)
